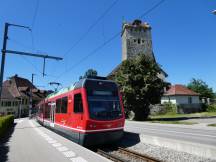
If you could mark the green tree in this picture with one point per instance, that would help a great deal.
(140, 85)
(199, 86)
(89, 73)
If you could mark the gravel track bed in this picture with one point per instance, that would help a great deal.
(161, 153)
(126, 157)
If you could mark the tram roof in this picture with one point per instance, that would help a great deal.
(76, 85)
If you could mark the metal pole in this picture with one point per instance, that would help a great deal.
(44, 67)
(3, 57)
(32, 79)
(19, 109)
(30, 98)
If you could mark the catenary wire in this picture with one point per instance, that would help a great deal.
(35, 14)
(82, 37)
(108, 41)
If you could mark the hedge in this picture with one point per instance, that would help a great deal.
(211, 108)
(5, 123)
(170, 108)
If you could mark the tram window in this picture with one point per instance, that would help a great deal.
(47, 111)
(78, 105)
(64, 105)
(58, 106)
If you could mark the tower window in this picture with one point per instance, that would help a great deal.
(142, 41)
(138, 41)
(134, 40)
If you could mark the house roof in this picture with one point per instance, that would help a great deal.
(6, 94)
(178, 89)
(22, 82)
(17, 87)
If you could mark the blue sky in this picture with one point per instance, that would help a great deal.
(183, 33)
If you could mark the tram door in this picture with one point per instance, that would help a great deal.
(52, 114)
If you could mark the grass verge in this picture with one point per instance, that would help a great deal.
(212, 125)
(174, 122)
(173, 115)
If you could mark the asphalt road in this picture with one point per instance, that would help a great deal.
(29, 142)
(189, 134)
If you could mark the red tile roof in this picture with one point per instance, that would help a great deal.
(19, 87)
(180, 90)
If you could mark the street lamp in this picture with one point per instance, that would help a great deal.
(214, 12)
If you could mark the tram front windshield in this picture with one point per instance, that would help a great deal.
(104, 104)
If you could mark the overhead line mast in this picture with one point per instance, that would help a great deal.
(4, 51)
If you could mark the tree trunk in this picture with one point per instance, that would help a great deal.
(141, 113)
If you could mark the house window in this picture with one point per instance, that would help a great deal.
(190, 100)
(138, 41)
(78, 105)
(16, 103)
(134, 40)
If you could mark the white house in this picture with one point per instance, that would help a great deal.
(186, 100)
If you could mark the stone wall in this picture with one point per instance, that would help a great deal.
(181, 109)
(188, 108)
(136, 40)
(157, 109)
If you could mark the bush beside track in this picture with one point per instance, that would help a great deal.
(6, 122)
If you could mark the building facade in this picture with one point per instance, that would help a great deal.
(16, 95)
(186, 100)
(136, 39)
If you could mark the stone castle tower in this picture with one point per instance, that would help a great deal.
(136, 39)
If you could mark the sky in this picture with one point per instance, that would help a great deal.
(183, 35)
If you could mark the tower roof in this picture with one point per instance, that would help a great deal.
(135, 24)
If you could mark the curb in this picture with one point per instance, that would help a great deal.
(202, 150)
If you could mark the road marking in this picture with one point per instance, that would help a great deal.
(52, 141)
(63, 148)
(19, 121)
(78, 159)
(162, 130)
(56, 144)
(65, 151)
(48, 138)
(69, 154)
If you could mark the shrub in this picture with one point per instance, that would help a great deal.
(170, 108)
(211, 108)
(5, 123)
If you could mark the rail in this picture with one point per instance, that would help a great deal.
(127, 154)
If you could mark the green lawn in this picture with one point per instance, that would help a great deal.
(171, 115)
(212, 125)
(174, 122)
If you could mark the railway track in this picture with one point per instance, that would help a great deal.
(125, 155)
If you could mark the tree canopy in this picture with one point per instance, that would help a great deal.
(89, 72)
(139, 84)
(199, 86)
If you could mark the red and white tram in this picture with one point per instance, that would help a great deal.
(89, 113)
